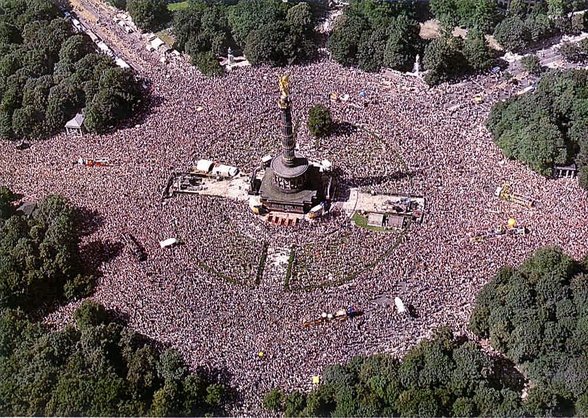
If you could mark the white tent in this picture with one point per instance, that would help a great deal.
(75, 125)
(224, 170)
(104, 48)
(121, 63)
(204, 166)
(156, 43)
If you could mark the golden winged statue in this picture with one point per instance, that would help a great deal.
(284, 85)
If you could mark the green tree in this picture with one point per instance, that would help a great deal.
(371, 50)
(444, 59)
(539, 26)
(345, 39)
(484, 15)
(119, 4)
(264, 45)
(573, 52)
(149, 15)
(27, 122)
(319, 121)
(294, 404)
(583, 177)
(403, 44)
(248, 16)
(171, 366)
(300, 19)
(476, 51)
(532, 64)
(446, 12)
(90, 314)
(208, 64)
(542, 330)
(75, 48)
(7, 199)
(512, 34)
(545, 127)
(274, 400)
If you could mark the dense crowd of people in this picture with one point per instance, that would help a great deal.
(201, 296)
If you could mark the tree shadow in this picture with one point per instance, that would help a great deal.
(95, 253)
(89, 220)
(215, 375)
(149, 103)
(343, 128)
(506, 372)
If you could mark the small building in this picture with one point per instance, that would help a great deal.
(75, 126)
(27, 208)
(395, 221)
(385, 220)
(567, 171)
(375, 219)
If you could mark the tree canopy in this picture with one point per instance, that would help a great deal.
(442, 376)
(481, 15)
(97, 367)
(40, 259)
(448, 57)
(149, 15)
(371, 34)
(319, 121)
(267, 31)
(536, 315)
(548, 126)
(48, 74)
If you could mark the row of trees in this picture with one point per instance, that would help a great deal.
(481, 15)
(373, 34)
(267, 31)
(370, 34)
(548, 126)
(99, 367)
(536, 316)
(48, 74)
(442, 376)
(524, 26)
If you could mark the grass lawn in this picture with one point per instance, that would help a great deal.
(172, 7)
(362, 221)
(166, 37)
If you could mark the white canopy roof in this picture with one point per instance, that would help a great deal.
(204, 165)
(121, 63)
(76, 122)
(156, 43)
(225, 170)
